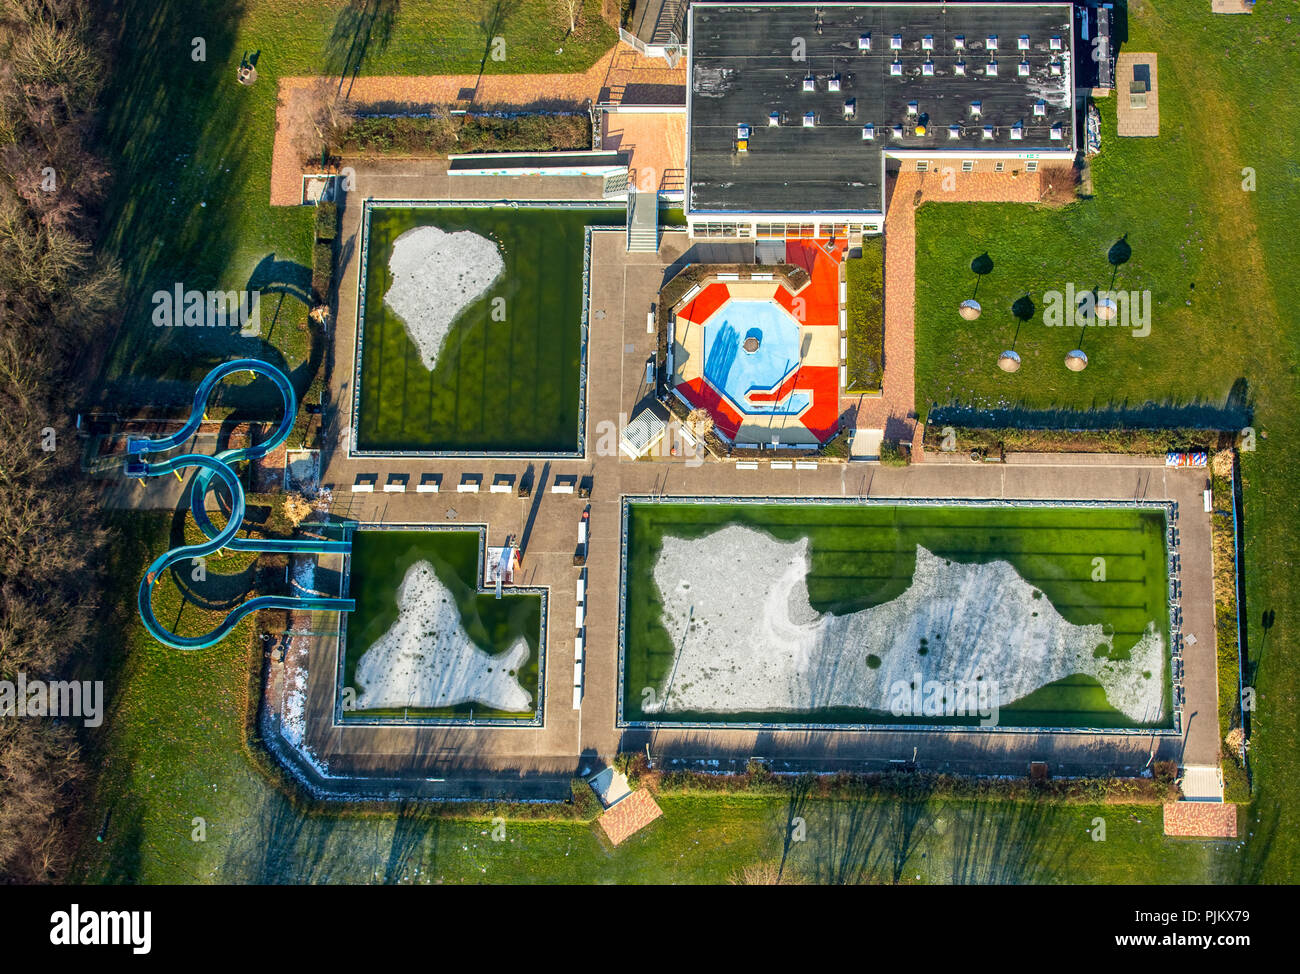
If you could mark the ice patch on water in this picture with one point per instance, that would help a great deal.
(427, 659)
(748, 639)
(436, 275)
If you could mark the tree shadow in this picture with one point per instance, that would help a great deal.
(272, 276)
(1023, 308)
(362, 27)
(492, 18)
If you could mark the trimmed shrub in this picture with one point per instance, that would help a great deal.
(327, 221)
(322, 270)
(894, 454)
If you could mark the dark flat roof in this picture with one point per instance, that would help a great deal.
(741, 70)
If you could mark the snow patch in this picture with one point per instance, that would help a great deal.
(748, 639)
(436, 275)
(427, 659)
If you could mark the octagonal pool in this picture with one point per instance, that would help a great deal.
(746, 377)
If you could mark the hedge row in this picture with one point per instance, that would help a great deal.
(996, 441)
(443, 134)
(866, 318)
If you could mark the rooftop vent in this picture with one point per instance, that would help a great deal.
(975, 108)
(1022, 42)
(954, 131)
(992, 42)
(927, 69)
(868, 132)
(991, 69)
(959, 68)
(896, 42)
(1040, 107)
(809, 120)
(850, 107)
(912, 108)
(920, 130)
(1055, 44)
(988, 133)
(833, 83)
(896, 68)
(742, 131)
(1058, 132)
(864, 42)
(897, 131)
(810, 83)
(1056, 67)
(1023, 69)
(1018, 131)
(959, 42)
(927, 42)
(774, 119)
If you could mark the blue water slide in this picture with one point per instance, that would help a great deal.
(220, 467)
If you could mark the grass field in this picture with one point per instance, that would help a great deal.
(863, 556)
(190, 150)
(499, 385)
(380, 560)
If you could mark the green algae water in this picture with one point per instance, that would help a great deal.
(501, 384)
(380, 560)
(865, 555)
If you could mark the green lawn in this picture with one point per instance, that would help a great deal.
(865, 555)
(380, 560)
(1223, 351)
(507, 378)
(190, 150)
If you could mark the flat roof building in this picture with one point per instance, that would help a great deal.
(793, 109)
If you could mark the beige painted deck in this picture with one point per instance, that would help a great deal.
(1137, 122)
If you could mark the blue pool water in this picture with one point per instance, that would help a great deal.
(734, 372)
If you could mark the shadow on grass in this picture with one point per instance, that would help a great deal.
(363, 27)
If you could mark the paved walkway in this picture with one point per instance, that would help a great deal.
(523, 760)
(621, 75)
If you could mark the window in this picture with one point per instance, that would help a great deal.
(868, 132)
(922, 166)
(999, 166)
(1040, 107)
(896, 69)
(992, 42)
(954, 132)
(1024, 69)
(927, 68)
(959, 68)
(1031, 166)
(1056, 44)
(927, 42)
(968, 165)
(896, 42)
(959, 43)
(1022, 42)
(991, 69)
(864, 42)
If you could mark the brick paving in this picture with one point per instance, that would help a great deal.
(630, 816)
(621, 75)
(1201, 820)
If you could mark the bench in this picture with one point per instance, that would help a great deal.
(467, 488)
(501, 488)
(746, 464)
(429, 485)
(782, 464)
(561, 488)
(805, 464)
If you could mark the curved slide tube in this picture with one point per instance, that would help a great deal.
(220, 467)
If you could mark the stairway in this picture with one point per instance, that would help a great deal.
(642, 222)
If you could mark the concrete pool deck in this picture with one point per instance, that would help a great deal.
(453, 761)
